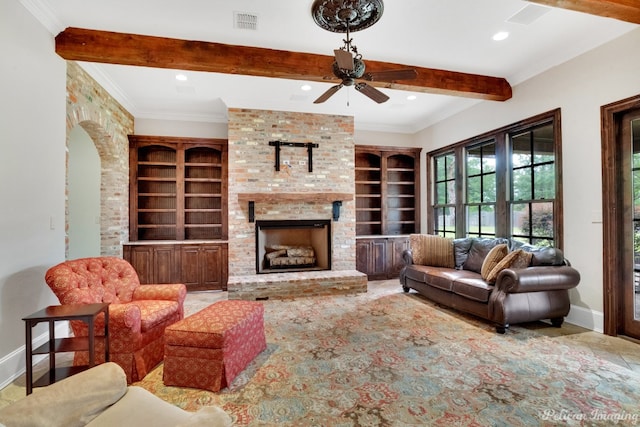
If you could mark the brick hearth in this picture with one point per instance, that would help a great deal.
(296, 284)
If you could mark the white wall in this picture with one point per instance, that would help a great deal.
(181, 128)
(579, 87)
(32, 175)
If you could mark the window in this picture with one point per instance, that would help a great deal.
(533, 185)
(480, 200)
(445, 195)
(505, 183)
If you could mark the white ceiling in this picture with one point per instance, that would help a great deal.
(453, 35)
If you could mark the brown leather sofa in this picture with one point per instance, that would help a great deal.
(522, 284)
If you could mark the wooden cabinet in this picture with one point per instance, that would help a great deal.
(387, 205)
(153, 263)
(200, 266)
(178, 188)
(203, 266)
(380, 258)
(178, 193)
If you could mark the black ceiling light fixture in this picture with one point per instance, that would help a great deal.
(346, 16)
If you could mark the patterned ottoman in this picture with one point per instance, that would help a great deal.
(209, 348)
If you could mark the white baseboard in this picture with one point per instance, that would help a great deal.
(14, 364)
(586, 318)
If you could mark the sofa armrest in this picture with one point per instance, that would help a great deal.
(171, 292)
(536, 279)
(73, 401)
(407, 256)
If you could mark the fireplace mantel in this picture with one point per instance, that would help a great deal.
(327, 197)
(278, 197)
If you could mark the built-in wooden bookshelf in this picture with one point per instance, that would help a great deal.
(387, 206)
(178, 211)
(178, 188)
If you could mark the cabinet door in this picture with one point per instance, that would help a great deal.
(190, 266)
(213, 266)
(371, 258)
(164, 264)
(396, 246)
(153, 263)
(141, 258)
(203, 266)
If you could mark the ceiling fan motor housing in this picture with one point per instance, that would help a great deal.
(356, 73)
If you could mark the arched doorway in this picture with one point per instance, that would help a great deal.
(83, 185)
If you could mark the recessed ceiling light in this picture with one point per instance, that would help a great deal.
(305, 87)
(181, 77)
(411, 97)
(500, 35)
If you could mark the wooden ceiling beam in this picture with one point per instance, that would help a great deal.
(79, 44)
(623, 10)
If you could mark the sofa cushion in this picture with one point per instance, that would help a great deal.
(154, 312)
(461, 249)
(494, 256)
(516, 259)
(473, 288)
(432, 250)
(478, 252)
(74, 401)
(438, 277)
(541, 255)
(547, 256)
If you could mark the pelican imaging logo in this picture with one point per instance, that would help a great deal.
(598, 415)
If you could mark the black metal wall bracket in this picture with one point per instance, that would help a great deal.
(252, 211)
(310, 146)
(336, 209)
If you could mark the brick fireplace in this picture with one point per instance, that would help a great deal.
(259, 192)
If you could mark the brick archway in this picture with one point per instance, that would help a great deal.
(108, 124)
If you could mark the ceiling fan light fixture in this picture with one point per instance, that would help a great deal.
(305, 88)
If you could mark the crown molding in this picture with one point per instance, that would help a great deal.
(44, 15)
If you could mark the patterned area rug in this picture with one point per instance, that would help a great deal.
(386, 358)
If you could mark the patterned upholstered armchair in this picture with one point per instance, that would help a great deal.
(138, 314)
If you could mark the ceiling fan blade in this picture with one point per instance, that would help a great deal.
(371, 92)
(344, 59)
(328, 94)
(391, 75)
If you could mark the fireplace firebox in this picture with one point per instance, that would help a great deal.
(293, 245)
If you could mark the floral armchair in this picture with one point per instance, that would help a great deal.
(138, 314)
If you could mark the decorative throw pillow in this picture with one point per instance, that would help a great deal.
(435, 251)
(478, 252)
(494, 256)
(515, 259)
(461, 249)
(415, 243)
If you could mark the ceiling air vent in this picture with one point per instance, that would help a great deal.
(528, 14)
(245, 21)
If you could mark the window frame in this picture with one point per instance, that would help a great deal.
(502, 139)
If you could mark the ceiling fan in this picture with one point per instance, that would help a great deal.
(348, 66)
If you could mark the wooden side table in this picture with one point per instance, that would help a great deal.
(52, 314)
